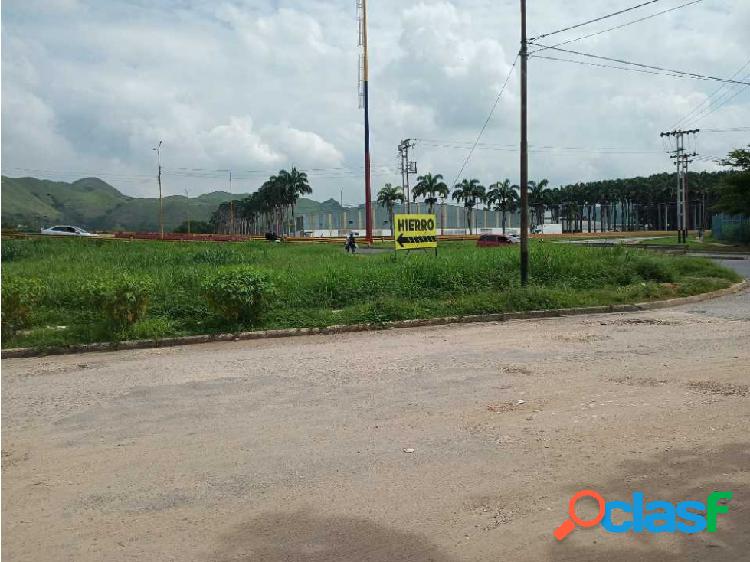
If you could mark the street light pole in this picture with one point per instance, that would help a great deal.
(157, 148)
(187, 206)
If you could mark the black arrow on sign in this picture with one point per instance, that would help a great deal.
(413, 239)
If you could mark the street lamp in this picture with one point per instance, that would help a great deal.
(157, 148)
(187, 208)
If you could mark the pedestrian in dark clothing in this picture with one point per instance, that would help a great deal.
(351, 243)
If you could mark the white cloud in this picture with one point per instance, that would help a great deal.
(91, 86)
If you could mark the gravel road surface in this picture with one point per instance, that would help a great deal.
(300, 449)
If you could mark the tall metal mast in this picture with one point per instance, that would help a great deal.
(364, 103)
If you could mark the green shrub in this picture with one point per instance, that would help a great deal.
(238, 294)
(11, 250)
(153, 328)
(653, 269)
(121, 300)
(19, 297)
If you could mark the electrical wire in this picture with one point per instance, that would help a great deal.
(462, 145)
(600, 65)
(486, 121)
(600, 18)
(648, 66)
(697, 110)
(721, 104)
(730, 130)
(631, 22)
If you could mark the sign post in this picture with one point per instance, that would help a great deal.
(415, 232)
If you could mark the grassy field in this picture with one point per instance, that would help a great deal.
(709, 243)
(175, 285)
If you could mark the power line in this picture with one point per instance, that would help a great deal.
(631, 22)
(648, 66)
(721, 104)
(323, 173)
(708, 101)
(600, 18)
(544, 148)
(730, 130)
(600, 65)
(486, 121)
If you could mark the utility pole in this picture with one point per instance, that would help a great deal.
(187, 208)
(157, 148)
(681, 161)
(401, 166)
(231, 205)
(524, 155)
(364, 103)
(407, 168)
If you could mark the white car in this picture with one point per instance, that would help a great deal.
(66, 231)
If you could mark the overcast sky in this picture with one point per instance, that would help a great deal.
(89, 87)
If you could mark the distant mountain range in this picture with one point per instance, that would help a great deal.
(31, 203)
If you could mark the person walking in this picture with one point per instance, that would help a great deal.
(351, 243)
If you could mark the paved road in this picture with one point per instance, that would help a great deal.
(293, 449)
(740, 266)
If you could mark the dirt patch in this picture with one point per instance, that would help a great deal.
(283, 537)
(723, 389)
(507, 406)
(637, 381)
(581, 338)
(515, 370)
(12, 458)
(492, 517)
(646, 322)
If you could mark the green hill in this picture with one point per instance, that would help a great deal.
(33, 202)
(30, 203)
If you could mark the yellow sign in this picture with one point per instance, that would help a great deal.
(412, 232)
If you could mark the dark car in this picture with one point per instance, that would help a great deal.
(490, 240)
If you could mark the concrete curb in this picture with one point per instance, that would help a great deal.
(341, 329)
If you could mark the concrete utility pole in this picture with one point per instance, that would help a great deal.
(681, 161)
(407, 168)
(524, 155)
(157, 148)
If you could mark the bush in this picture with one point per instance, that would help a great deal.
(11, 250)
(238, 294)
(652, 269)
(122, 300)
(19, 297)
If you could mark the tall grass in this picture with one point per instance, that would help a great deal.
(320, 284)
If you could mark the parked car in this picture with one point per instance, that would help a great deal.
(66, 231)
(491, 240)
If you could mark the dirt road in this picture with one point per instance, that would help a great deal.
(293, 449)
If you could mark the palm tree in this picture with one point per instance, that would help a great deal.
(430, 187)
(294, 184)
(470, 192)
(503, 197)
(388, 196)
(536, 198)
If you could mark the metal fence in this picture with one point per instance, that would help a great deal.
(735, 228)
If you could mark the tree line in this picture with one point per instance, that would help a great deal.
(619, 204)
(608, 205)
(267, 210)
